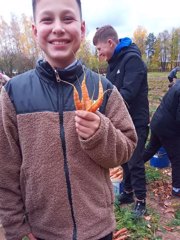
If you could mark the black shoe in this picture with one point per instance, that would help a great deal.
(139, 209)
(126, 198)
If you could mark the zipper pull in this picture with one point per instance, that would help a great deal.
(57, 75)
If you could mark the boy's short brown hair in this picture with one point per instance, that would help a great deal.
(104, 33)
(34, 3)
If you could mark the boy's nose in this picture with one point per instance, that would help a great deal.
(101, 57)
(58, 27)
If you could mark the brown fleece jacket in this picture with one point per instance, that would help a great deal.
(33, 186)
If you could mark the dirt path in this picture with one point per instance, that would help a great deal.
(165, 232)
(165, 206)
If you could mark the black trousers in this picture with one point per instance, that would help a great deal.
(134, 170)
(172, 146)
(108, 237)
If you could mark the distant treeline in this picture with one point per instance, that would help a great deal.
(19, 52)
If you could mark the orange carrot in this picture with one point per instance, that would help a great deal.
(116, 234)
(99, 101)
(101, 93)
(77, 101)
(124, 237)
(85, 95)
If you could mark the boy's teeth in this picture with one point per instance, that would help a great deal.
(58, 43)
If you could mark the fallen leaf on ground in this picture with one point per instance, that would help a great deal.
(169, 210)
(147, 218)
(169, 229)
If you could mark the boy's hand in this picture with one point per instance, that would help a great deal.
(86, 123)
(31, 237)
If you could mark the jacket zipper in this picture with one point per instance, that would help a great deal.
(66, 169)
(58, 79)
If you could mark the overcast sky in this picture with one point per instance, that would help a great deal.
(155, 15)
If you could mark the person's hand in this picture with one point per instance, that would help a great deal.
(87, 123)
(31, 237)
(171, 84)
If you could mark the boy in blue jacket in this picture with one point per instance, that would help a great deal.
(127, 71)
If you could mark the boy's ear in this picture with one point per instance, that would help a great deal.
(110, 42)
(83, 30)
(34, 30)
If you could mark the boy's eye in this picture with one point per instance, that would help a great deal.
(46, 20)
(68, 19)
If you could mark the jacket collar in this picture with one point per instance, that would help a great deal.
(48, 74)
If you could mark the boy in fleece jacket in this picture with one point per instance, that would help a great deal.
(54, 160)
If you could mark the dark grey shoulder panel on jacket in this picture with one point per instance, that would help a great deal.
(29, 94)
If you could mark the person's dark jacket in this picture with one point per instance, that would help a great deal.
(166, 119)
(129, 75)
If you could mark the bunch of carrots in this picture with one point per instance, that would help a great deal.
(121, 234)
(86, 103)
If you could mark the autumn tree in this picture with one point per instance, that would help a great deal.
(174, 47)
(140, 37)
(164, 40)
(7, 53)
(18, 50)
(155, 58)
(151, 39)
(89, 58)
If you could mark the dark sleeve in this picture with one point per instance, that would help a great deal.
(174, 73)
(178, 112)
(135, 73)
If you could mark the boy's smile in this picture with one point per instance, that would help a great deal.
(59, 30)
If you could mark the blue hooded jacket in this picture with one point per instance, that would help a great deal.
(123, 42)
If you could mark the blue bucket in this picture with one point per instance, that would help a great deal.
(160, 159)
(118, 186)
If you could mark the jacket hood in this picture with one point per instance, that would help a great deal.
(123, 48)
(123, 42)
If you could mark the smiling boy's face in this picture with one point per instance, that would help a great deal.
(58, 30)
(105, 49)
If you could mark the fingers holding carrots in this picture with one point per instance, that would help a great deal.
(31, 236)
(86, 123)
